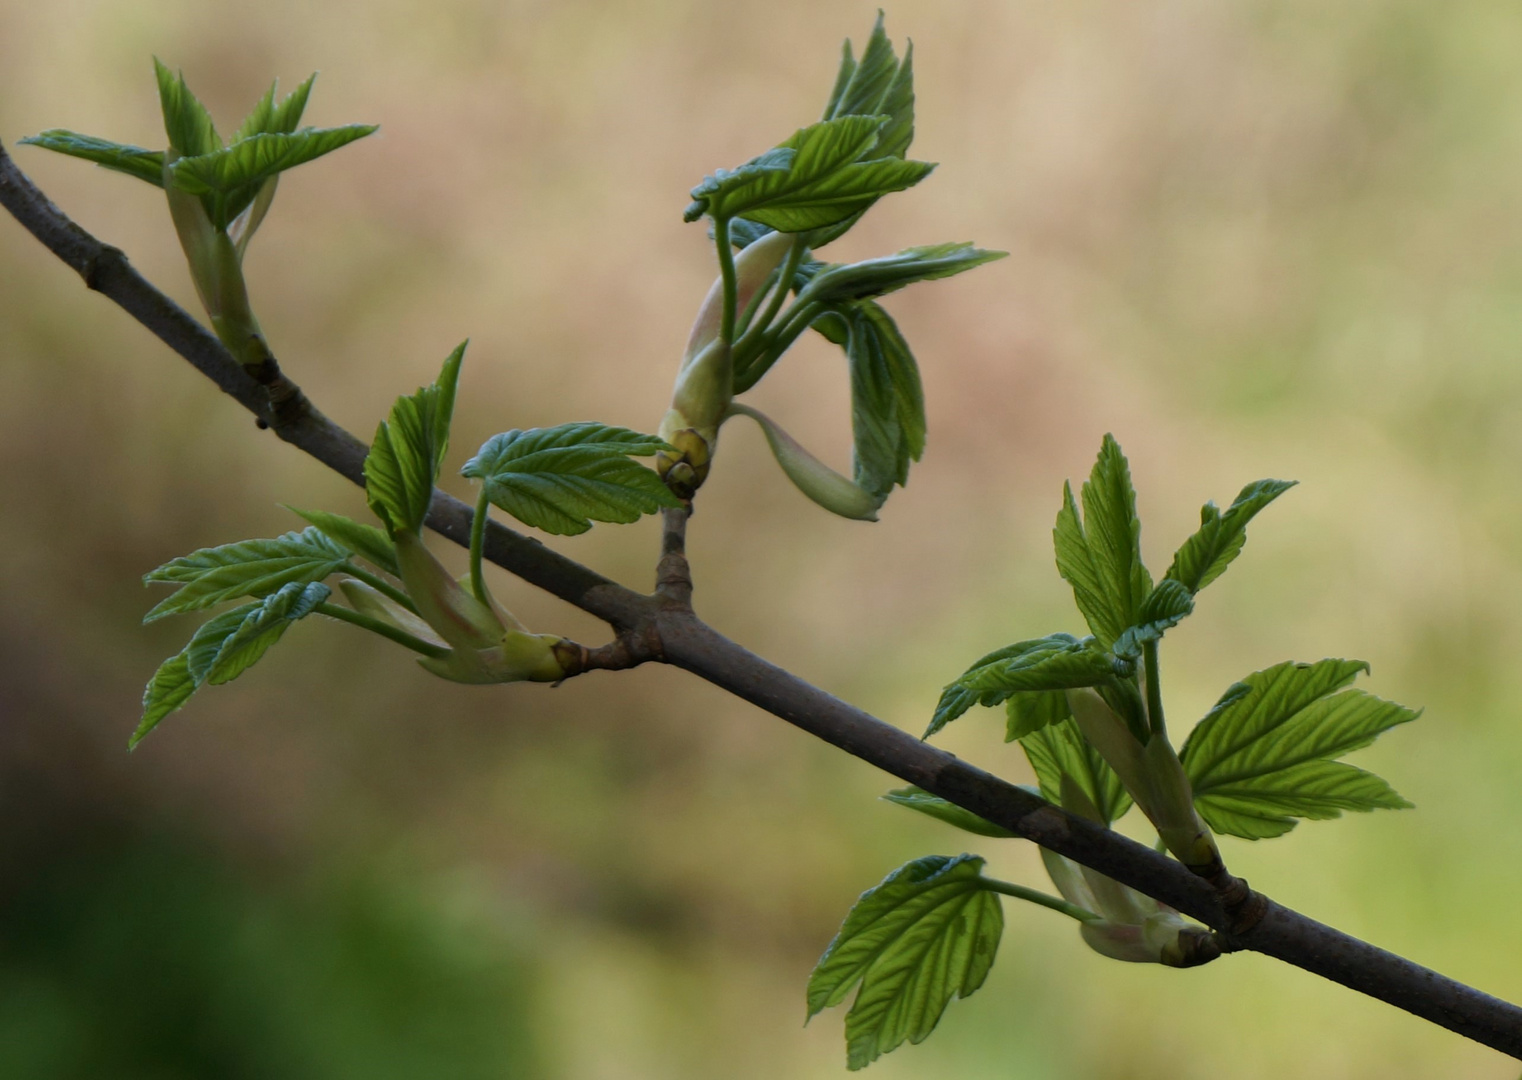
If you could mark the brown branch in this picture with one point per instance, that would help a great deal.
(664, 627)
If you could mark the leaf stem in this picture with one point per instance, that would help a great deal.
(1155, 720)
(779, 295)
(797, 319)
(395, 633)
(1035, 896)
(380, 585)
(477, 542)
(731, 283)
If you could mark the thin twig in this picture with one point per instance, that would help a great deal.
(673, 633)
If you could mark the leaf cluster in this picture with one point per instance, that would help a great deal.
(817, 184)
(227, 177)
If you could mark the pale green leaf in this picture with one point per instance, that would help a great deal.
(133, 160)
(952, 814)
(1030, 711)
(409, 448)
(877, 277)
(253, 568)
(262, 627)
(563, 478)
(364, 540)
(186, 121)
(223, 648)
(820, 176)
(232, 176)
(926, 934)
(170, 687)
(1055, 662)
(1060, 749)
(1206, 555)
(1164, 608)
(182, 674)
(1100, 554)
(269, 118)
(880, 85)
(887, 400)
(1263, 756)
(287, 115)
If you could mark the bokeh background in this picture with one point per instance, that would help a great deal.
(1270, 238)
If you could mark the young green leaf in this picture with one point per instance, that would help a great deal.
(1164, 608)
(1060, 749)
(889, 273)
(287, 115)
(268, 118)
(1206, 555)
(186, 121)
(1263, 756)
(170, 687)
(1100, 554)
(366, 541)
(563, 478)
(264, 625)
(253, 568)
(926, 934)
(133, 160)
(1055, 662)
(880, 85)
(409, 449)
(952, 814)
(235, 173)
(1030, 711)
(887, 401)
(819, 176)
(222, 649)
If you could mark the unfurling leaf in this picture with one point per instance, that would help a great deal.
(1061, 750)
(889, 273)
(1032, 710)
(224, 648)
(819, 176)
(563, 478)
(1206, 555)
(366, 541)
(253, 568)
(133, 160)
(1100, 553)
(880, 85)
(952, 814)
(1055, 662)
(1263, 756)
(1164, 608)
(887, 401)
(232, 176)
(927, 934)
(186, 121)
(409, 447)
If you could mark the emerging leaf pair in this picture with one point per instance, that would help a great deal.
(218, 193)
(558, 479)
(1088, 714)
(777, 209)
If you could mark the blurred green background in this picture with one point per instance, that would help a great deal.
(1258, 239)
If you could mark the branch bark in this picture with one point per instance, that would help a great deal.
(663, 627)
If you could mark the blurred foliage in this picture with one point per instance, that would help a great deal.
(1274, 238)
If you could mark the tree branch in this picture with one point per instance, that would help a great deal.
(663, 627)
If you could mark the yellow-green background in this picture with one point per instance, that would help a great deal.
(1251, 239)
